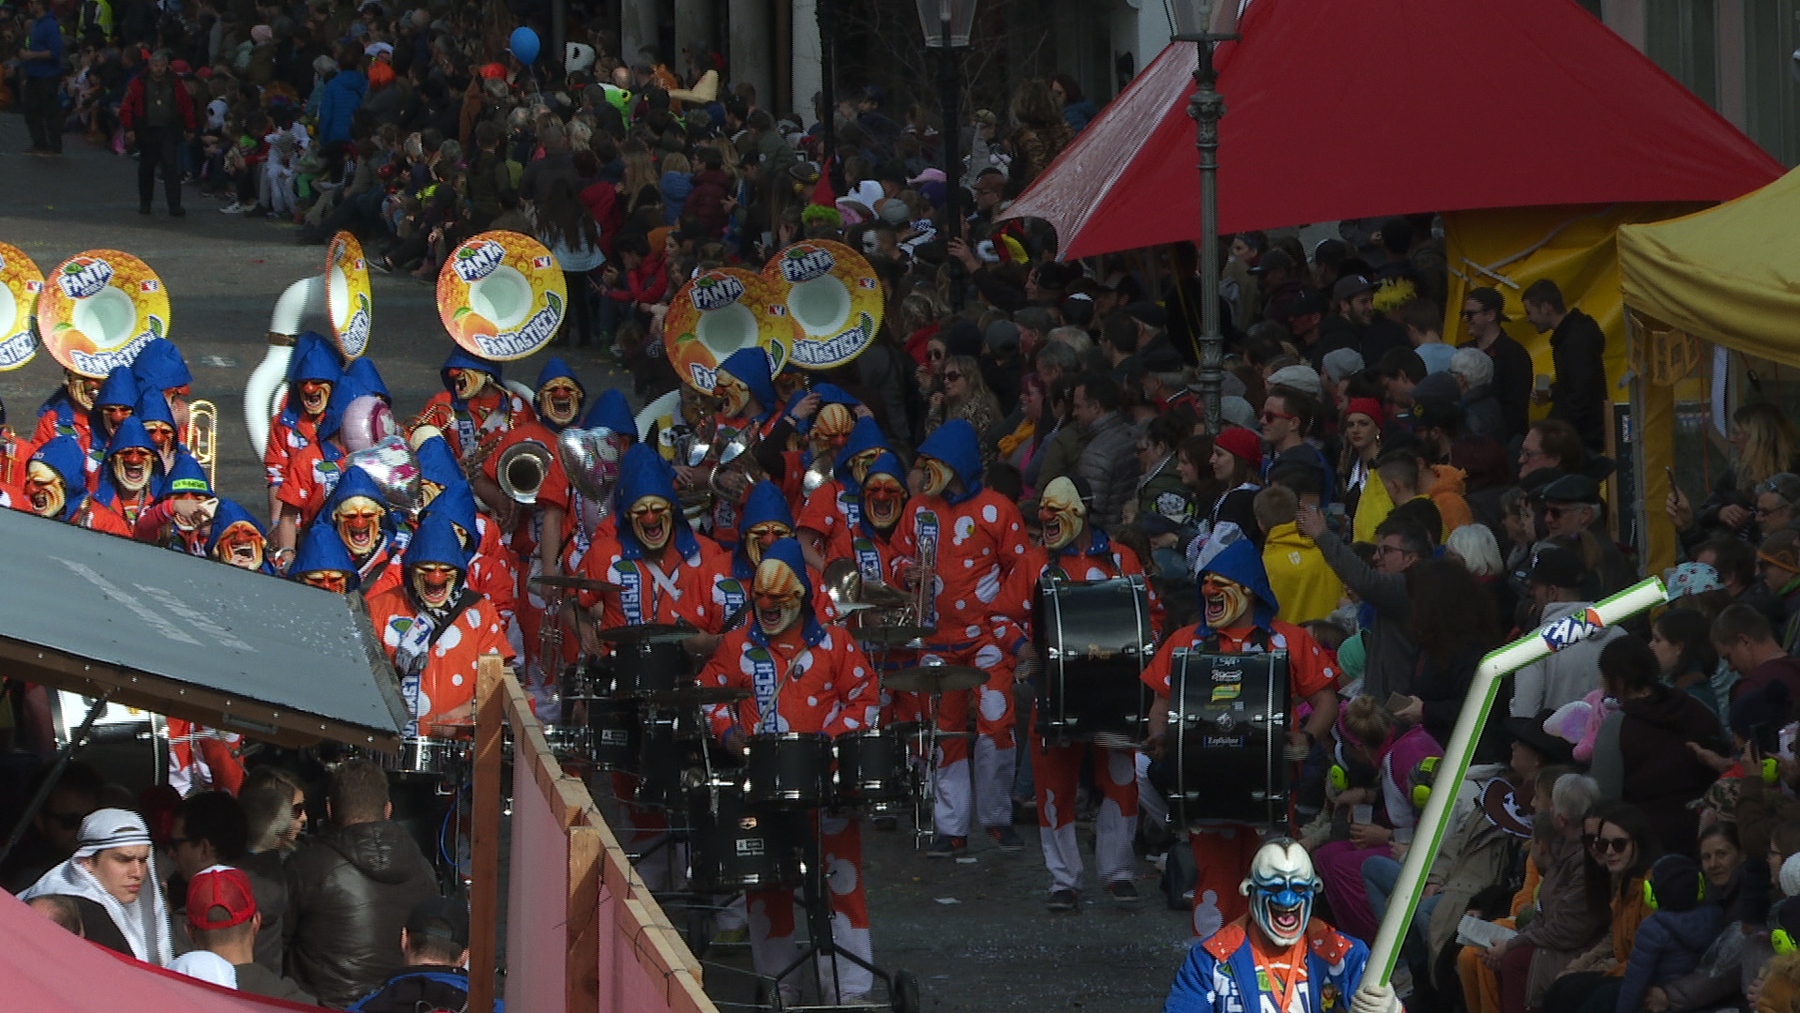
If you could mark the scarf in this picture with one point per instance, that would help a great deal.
(144, 922)
(1011, 441)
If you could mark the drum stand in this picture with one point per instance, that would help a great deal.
(902, 986)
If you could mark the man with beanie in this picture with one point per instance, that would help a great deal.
(222, 919)
(436, 944)
(1673, 939)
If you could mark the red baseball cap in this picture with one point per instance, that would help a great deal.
(215, 889)
(1242, 444)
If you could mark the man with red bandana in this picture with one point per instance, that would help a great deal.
(55, 487)
(1075, 550)
(435, 629)
(1237, 616)
(968, 540)
(828, 518)
(474, 413)
(803, 678)
(312, 373)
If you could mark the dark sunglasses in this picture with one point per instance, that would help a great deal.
(1616, 845)
(952, 376)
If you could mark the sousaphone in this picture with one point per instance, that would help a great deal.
(834, 298)
(501, 295)
(343, 296)
(719, 312)
(98, 310)
(21, 283)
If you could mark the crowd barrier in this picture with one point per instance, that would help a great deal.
(583, 933)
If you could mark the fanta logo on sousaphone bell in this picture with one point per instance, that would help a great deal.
(83, 277)
(715, 292)
(804, 264)
(477, 261)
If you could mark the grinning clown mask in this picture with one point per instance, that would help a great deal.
(652, 521)
(1226, 603)
(161, 433)
(860, 461)
(313, 396)
(1061, 513)
(883, 499)
(335, 581)
(131, 468)
(930, 477)
(468, 382)
(830, 428)
(44, 489)
(731, 390)
(778, 595)
(761, 536)
(559, 400)
(241, 546)
(1280, 887)
(435, 584)
(358, 521)
(82, 389)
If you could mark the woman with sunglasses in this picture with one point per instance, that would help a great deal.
(1621, 847)
(963, 394)
(1641, 753)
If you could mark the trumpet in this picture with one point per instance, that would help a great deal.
(521, 471)
(202, 437)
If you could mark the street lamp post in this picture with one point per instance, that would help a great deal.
(1207, 23)
(946, 24)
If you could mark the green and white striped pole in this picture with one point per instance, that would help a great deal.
(1547, 639)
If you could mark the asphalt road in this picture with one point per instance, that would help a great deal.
(976, 933)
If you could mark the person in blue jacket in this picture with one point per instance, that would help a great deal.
(1671, 942)
(1278, 958)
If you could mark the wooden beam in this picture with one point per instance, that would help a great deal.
(484, 891)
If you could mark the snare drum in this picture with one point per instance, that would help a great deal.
(736, 846)
(641, 669)
(871, 766)
(1223, 756)
(789, 770)
(441, 758)
(1095, 638)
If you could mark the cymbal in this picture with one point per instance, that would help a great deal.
(689, 696)
(575, 583)
(891, 636)
(647, 633)
(934, 679)
(884, 595)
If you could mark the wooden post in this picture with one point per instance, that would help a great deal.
(583, 928)
(484, 891)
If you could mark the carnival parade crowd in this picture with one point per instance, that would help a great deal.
(1381, 505)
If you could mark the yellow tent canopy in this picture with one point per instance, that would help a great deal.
(1726, 275)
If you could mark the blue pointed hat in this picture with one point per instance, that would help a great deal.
(612, 411)
(321, 549)
(159, 366)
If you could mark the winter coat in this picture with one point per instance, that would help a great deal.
(343, 96)
(1393, 655)
(1578, 394)
(706, 201)
(1482, 415)
(1060, 453)
(1668, 945)
(1110, 465)
(1655, 770)
(1563, 677)
(349, 894)
(1475, 856)
(1565, 927)
(1304, 585)
(675, 186)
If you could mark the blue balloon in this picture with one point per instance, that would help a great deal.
(525, 45)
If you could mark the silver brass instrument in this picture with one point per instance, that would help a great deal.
(733, 449)
(202, 437)
(817, 473)
(927, 566)
(521, 471)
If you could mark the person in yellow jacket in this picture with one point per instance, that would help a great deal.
(1305, 586)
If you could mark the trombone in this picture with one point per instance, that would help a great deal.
(202, 438)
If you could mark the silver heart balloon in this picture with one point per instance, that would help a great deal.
(590, 457)
(395, 470)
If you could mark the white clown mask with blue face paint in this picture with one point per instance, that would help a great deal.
(1281, 886)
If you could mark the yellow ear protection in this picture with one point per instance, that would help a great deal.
(1771, 771)
(1424, 774)
(1699, 895)
(1339, 777)
(1782, 943)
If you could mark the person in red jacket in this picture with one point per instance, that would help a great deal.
(157, 114)
(712, 188)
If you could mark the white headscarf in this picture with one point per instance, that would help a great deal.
(207, 966)
(144, 922)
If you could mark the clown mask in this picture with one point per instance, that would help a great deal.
(468, 383)
(1224, 602)
(44, 488)
(335, 581)
(930, 477)
(652, 521)
(830, 428)
(859, 462)
(732, 391)
(313, 396)
(113, 415)
(883, 499)
(358, 521)
(559, 400)
(241, 546)
(1280, 887)
(161, 434)
(761, 536)
(435, 583)
(131, 469)
(778, 596)
(1061, 513)
(82, 389)
(428, 491)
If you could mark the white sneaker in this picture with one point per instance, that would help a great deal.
(234, 208)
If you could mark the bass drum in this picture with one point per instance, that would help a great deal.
(1223, 755)
(1094, 637)
(734, 845)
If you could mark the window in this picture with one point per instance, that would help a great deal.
(1682, 36)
